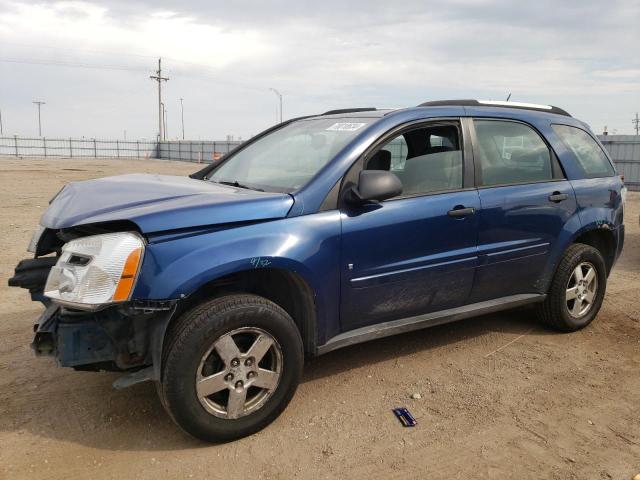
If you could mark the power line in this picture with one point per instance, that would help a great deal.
(213, 76)
(82, 50)
(73, 65)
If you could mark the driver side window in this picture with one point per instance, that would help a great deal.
(427, 159)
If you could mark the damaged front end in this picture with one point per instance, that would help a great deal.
(116, 339)
(32, 274)
(90, 322)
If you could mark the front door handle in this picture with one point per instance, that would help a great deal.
(557, 197)
(461, 211)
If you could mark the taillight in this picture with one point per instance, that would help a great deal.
(622, 179)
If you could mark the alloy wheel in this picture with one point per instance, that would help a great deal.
(581, 289)
(239, 373)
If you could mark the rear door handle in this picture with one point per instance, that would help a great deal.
(556, 197)
(461, 211)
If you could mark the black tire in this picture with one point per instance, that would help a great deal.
(195, 332)
(554, 311)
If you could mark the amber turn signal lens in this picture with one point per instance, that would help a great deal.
(129, 272)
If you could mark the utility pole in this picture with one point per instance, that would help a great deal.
(159, 78)
(39, 122)
(164, 113)
(636, 122)
(279, 95)
(182, 115)
(1, 130)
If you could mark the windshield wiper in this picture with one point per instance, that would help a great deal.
(237, 184)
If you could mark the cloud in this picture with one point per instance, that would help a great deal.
(222, 57)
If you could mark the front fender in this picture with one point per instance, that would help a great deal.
(307, 245)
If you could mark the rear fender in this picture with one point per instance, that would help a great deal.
(570, 231)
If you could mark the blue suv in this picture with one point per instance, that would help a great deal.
(320, 233)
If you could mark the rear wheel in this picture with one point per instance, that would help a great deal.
(577, 289)
(231, 367)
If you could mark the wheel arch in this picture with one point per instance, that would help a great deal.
(603, 240)
(286, 288)
(600, 236)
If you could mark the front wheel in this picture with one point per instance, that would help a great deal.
(230, 367)
(577, 289)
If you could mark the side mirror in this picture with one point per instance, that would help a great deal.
(375, 186)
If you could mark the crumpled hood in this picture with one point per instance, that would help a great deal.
(160, 202)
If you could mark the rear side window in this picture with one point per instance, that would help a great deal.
(590, 156)
(511, 153)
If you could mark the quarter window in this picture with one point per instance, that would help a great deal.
(426, 159)
(511, 152)
(590, 156)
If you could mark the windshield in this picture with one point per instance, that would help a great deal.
(289, 157)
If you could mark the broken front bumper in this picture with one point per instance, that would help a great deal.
(125, 337)
(113, 339)
(76, 341)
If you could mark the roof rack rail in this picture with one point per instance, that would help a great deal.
(349, 110)
(495, 103)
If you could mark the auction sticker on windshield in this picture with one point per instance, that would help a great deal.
(345, 127)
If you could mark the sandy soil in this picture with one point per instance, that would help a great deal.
(501, 396)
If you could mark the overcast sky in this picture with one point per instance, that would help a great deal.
(90, 61)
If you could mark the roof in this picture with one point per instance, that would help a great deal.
(371, 112)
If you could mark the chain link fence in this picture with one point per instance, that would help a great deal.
(73, 147)
(186, 150)
(624, 149)
(196, 151)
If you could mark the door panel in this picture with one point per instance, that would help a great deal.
(407, 257)
(525, 204)
(518, 226)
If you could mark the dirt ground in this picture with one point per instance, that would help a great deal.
(501, 396)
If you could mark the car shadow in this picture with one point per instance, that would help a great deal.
(83, 408)
(516, 321)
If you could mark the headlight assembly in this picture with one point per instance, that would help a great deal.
(96, 270)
